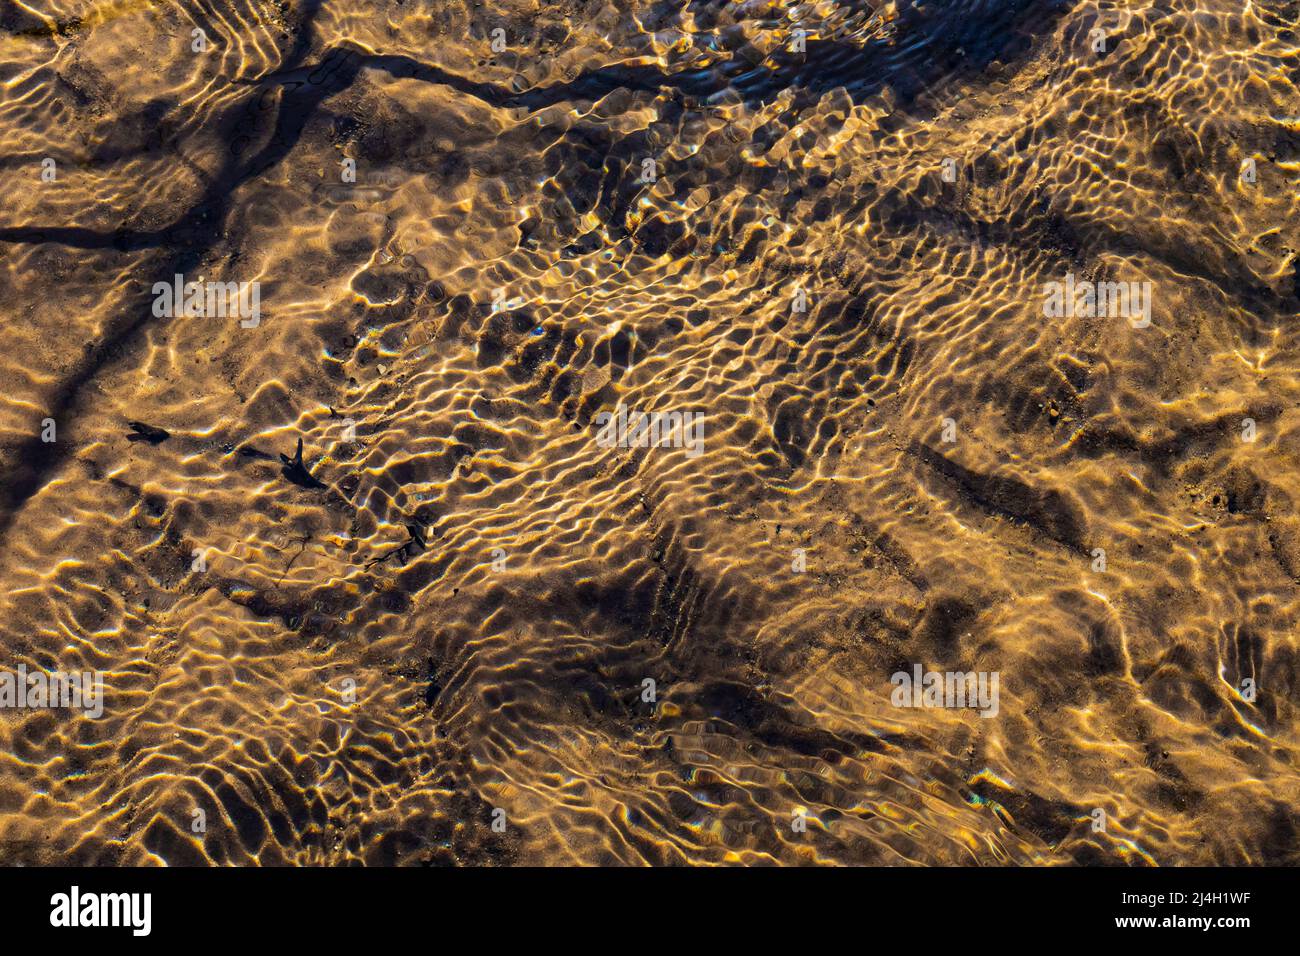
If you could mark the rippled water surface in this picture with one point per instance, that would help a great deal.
(468, 630)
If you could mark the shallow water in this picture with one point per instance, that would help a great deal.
(842, 263)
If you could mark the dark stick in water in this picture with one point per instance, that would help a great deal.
(149, 433)
(294, 470)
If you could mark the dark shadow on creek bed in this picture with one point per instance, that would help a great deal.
(1050, 512)
(928, 45)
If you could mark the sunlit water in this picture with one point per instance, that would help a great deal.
(836, 246)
